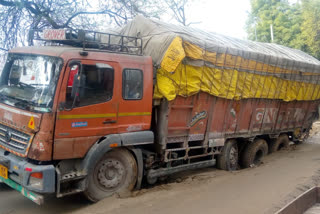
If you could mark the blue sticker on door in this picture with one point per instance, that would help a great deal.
(79, 124)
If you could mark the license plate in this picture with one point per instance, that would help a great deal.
(3, 171)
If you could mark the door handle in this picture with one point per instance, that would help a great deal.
(109, 121)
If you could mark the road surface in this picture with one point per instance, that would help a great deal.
(263, 189)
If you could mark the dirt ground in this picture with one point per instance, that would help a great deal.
(264, 189)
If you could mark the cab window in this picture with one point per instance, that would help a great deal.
(132, 84)
(91, 86)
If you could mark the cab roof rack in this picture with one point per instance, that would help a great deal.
(88, 40)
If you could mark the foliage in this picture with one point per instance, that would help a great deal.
(294, 25)
(310, 36)
(270, 12)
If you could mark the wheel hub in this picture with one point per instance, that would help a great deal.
(233, 156)
(110, 174)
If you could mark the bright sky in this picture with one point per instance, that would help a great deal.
(226, 17)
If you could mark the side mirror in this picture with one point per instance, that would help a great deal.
(73, 63)
(61, 106)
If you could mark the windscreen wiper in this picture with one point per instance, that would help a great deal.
(5, 97)
(24, 85)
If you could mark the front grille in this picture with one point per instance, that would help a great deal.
(13, 139)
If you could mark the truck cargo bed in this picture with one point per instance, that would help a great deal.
(197, 126)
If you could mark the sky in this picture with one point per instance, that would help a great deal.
(226, 17)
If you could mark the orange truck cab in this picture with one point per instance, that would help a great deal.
(63, 108)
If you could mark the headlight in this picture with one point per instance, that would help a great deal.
(36, 180)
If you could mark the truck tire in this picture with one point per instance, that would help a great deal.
(282, 142)
(115, 173)
(228, 159)
(254, 153)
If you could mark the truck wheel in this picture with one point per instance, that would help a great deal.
(254, 152)
(115, 173)
(228, 159)
(281, 142)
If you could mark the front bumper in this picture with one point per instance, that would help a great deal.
(38, 199)
(18, 174)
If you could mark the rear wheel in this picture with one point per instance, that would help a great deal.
(254, 153)
(228, 159)
(282, 142)
(115, 173)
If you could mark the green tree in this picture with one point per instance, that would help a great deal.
(309, 40)
(276, 13)
(294, 25)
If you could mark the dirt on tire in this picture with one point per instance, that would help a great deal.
(282, 142)
(254, 153)
(95, 193)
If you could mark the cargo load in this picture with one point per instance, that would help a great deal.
(189, 60)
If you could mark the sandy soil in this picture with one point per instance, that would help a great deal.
(264, 189)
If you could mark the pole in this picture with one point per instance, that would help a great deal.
(271, 32)
(255, 31)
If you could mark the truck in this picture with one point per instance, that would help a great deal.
(100, 113)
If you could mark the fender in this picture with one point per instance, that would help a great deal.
(97, 151)
(128, 140)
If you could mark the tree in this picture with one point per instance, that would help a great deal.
(276, 13)
(295, 25)
(17, 17)
(310, 36)
(178, 9)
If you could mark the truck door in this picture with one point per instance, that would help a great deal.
(88, 106)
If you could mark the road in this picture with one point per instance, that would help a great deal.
(262, 189)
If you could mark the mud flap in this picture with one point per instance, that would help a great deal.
(138, 155)
(38, 199)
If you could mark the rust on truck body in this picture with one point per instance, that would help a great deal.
(18, 119)
(189, 117)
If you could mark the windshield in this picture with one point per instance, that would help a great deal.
(29, 81)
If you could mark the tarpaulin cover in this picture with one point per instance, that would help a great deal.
(189, 60)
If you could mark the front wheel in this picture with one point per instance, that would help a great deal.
(115, 173)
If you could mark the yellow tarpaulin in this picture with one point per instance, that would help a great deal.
(188, 60)
(231, 78)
